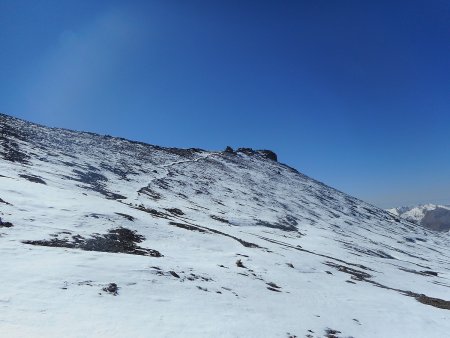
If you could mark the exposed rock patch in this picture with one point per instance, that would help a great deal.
(175, 211)
(436, 302)
(4, 202)
(269, 154)
(119, 240)
(33, 178)
(112, 289)
(128, 217)
(219, 219)
(5, 224)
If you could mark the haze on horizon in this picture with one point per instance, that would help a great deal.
(354, 94)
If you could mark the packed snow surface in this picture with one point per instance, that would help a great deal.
(105, 237)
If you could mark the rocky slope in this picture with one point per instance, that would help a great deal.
(101, 236)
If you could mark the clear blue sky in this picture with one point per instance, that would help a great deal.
(353, 93)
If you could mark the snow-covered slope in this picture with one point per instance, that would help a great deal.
(106, 237)
(431, 216)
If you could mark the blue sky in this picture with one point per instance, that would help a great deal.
(353, 93)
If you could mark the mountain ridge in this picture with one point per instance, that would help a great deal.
(119, 227)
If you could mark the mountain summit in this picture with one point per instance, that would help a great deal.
(101, 236)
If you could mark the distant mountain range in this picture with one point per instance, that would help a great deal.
(431, 216)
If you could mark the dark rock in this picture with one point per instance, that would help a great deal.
(430, 273)
(282, 224)
(228, 149)
(239, 264)
(273, 289)
(128, 217)
(173, 273)
(330, 333)
(112, 288)
(150, 193)
(269, 154)
(356, 274)
(246, 151)
(273, 285)
(33, 178)
(219, 219)
(187, 227)
(10, 150)
(4, 202)
(436, 302)
(175, 211)
(5, 224)
(119, 240)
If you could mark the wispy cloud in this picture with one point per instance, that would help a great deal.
(83, 63)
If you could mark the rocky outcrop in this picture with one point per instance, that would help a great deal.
(269, 154)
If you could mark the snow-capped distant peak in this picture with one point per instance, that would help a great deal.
(432, 216)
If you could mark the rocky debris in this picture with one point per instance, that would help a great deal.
(10, 150)
(173, 273)
(246, 151)
(175, 211)
(121, 171)
(331, 333)
(229, 150)
(436, 302)
(153, 212)
(96, 182)
(429, 273)
(269, 154)
(119, 240)
(192, 277)
(239, 264)
(187, 227)
(209, 230)
(150, 193)
(112, 288)
(219, 219)
(365, 277)
(182, 152)
(422, 273)
(128, 217)
(273, 289)
(355, 274)
(181, 275)
(287, 224)
(273, 285)
(5, 224)
(4, 202)
(33, 178)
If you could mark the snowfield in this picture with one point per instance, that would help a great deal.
(105, 237)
